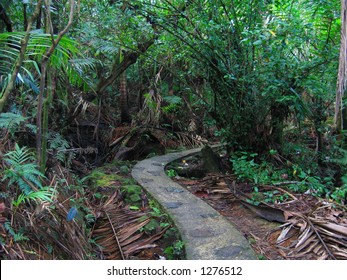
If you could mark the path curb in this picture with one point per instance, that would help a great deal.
(207, 235)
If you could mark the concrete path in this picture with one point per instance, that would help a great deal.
(206, 234)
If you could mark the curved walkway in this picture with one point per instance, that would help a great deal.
(206, 234)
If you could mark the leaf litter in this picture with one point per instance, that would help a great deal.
(302, 227)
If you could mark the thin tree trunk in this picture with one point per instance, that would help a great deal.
(20, 59)
(25, 5)
(44, 63)
(342, 72)
(5, 18)
(39, 20)
(124, 108)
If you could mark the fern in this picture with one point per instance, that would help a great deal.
(22, 171)
(58, 143)
(32, 128)
(16, 236)
(11, 121)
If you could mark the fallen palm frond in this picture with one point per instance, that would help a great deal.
(317, 235)
(118, 231)
(319, 232)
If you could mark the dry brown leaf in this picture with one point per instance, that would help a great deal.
(306, 242)
(303, 237)
(283, 235)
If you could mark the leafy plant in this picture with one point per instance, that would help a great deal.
(247, 169)
(60, 145)
(37, 46)
(175, 251)
(174, 103)
(45, 194)
(132, 194)
(171, 173)
(22, 171)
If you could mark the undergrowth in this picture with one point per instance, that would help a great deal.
(300, 176)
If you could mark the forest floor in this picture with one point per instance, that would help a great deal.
(253, 227)
(278, 223)
(301, 226)
(110, 211)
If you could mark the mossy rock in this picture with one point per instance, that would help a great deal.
(101, 179)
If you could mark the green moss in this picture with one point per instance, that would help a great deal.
(132, 193)
(99, 178)
(132, 189)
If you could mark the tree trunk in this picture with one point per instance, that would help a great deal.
(124, 108)
(342, 72)
(39, 20)
(40, 146)
(25, 5)
(5, 18)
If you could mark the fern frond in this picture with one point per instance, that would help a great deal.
(76, 72)
(16, 236)
(23, 186)
(9, 120)
(18, 156)
(60, 144)
(57, 142)
(22, 171)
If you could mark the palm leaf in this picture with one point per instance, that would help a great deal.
(315, 236)
(38, 44)
(119, 233)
